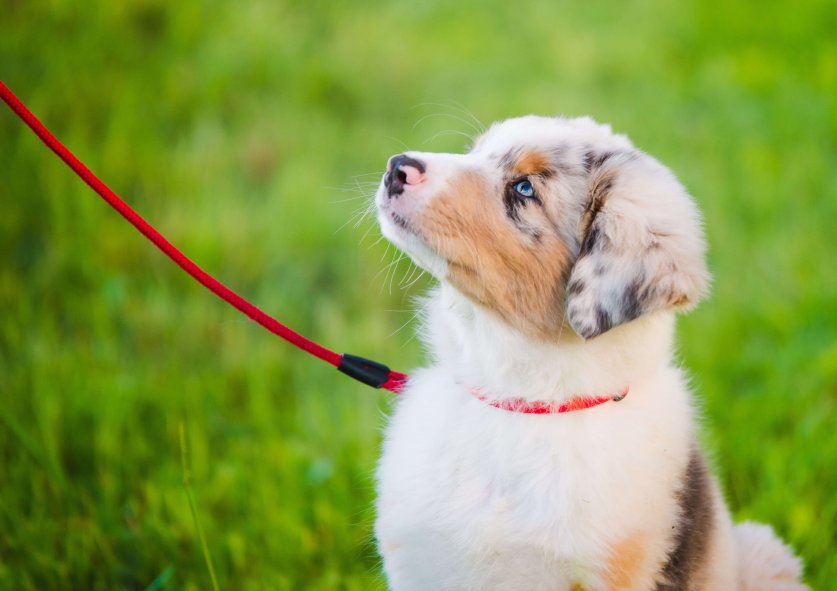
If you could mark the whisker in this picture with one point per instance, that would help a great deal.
(347, 199)
(418, 276)
(394, 269)
(445, 132)
(468, 112)
(403, 326)
(476, 129)
(365, 215)
(376, 173)
(358, 215)
(381, 237)
(386, 252)
(408, 274)
(398, 141)
(388, 266)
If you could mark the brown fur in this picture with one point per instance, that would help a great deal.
(693, 534)
(492, 262)
(628, 563)
(530, 162)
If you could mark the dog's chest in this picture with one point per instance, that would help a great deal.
(470, 495)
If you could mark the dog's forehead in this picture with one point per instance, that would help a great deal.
(544, 133)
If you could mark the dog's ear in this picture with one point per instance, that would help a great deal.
(641, 244)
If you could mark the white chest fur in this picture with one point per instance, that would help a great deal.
(472, 497)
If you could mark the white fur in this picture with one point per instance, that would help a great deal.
(766, 563)
(473, 497)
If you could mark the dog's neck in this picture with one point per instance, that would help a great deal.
(480, 350)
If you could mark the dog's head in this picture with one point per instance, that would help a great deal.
(546, 221)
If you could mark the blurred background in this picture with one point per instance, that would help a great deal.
(252, 134)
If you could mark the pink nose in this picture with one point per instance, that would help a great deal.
(403, 171)
(412, 175)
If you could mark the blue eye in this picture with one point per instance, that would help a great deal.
(524, 188)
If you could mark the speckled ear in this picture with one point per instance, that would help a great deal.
(642, 246)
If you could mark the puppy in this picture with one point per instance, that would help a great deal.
(551, 444)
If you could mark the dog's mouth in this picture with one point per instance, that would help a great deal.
(401, 222)
(395, 222)
(401, 230)
(406, 236)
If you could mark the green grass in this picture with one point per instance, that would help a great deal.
(240, 129)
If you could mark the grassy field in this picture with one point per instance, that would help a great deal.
(250, 133)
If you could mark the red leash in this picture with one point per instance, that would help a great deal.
(364, 370)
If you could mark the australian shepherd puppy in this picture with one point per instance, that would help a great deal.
(551, 444)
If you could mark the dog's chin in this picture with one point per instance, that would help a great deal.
(398, 230)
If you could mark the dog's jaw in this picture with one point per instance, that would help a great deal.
(397, 229)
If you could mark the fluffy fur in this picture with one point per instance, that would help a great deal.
(570, 290)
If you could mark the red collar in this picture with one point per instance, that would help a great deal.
(541, 407)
